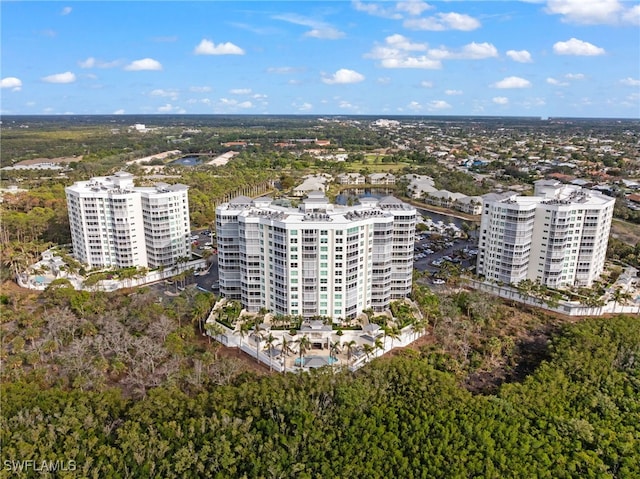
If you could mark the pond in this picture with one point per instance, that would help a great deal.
(187, 161)
(351, 195)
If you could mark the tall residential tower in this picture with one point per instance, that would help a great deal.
(116, 224)
(558, 236)
(318, 259)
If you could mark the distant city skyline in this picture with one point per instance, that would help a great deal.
(558, 58)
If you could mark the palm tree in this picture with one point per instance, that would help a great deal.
(258, 337)
(242, 331)
(351, 347)
(368, 350)
(304, 344)
(286, 346)
(269, 345)
(620, 297)
(378, 344)
(525, 288)
(202, 304)
(334, 348)
(213, 330)
(419, 327)
(393, 333)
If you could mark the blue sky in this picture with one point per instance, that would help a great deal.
(542, 58)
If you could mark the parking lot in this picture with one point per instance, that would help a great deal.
(431, 253)
(203, 241)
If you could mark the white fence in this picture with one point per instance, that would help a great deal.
(569, 308)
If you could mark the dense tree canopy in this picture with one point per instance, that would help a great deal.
(577, 416)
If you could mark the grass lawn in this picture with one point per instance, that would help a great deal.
(356, 166)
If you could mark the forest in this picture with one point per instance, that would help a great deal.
(576, 416)
(125, 384)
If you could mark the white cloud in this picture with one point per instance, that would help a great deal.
(66, 11)
(319, 29)
(91, 62)
(472, 51)
(395, 54)
(325, 33)
(500, 100)
(520, 56)
(207, 47)
(303, 107)
(574, 46)
(533, 102)
(591, 12)
(434, 105)
(200, 89)
(443, 21)
(421, 62)
(66, 77)
(345, 105)
(235, 103)
(383, 81)
(626, 81)
(403, 43)
(88, 63)
(453, 92)
(413, 7)
(512, 82)
(376, 10)
(343, 76)
(169, 108)
(144, 64)
(553, 81)
(11, 82)
(173, 94)
(438, 105)
(574, 76)
(119, 112)
(426, 84)
(632, 16)
(240, 91)
(478, 51)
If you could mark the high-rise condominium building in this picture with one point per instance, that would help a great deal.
(318, 259)
(558, 236)
(116, 224)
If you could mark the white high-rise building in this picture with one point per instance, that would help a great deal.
(116, 224)
(558, 237)
(318, 259)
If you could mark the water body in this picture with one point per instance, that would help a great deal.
(187, 161)
(352, 195)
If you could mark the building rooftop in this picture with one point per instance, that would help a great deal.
(317, 209)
